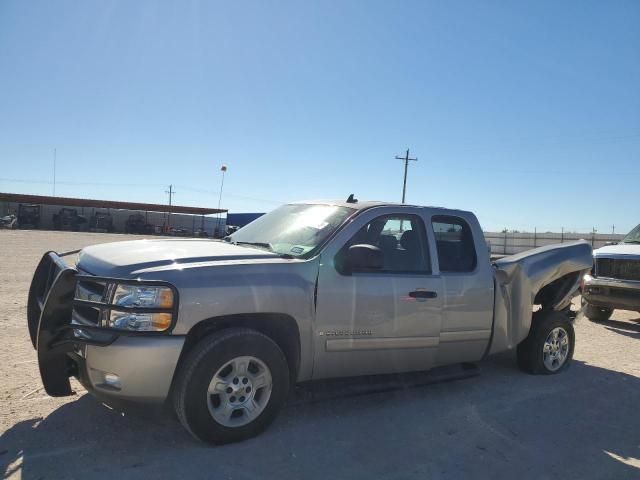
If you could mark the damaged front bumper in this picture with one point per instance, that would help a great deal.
(109, 362)
(611, 292)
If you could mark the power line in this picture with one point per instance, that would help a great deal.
(106, 184)
(557, 140)
(217, 193)
(148, 185)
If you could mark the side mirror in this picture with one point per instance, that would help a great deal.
(365, 257)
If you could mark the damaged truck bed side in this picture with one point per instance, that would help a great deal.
(313, 290)
(546, 276)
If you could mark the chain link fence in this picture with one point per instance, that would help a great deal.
(508, 243)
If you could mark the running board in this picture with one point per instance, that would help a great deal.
(339, 388)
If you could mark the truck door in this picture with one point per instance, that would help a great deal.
(462, 260)
(382, 321)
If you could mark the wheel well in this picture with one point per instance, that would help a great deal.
(557, 291)
(281, 328)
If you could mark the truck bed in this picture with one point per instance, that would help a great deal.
(547, 276)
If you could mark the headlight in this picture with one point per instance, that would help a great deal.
(134, 300)
(143, 296)
(139, 322)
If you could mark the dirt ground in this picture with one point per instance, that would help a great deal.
(501, 424)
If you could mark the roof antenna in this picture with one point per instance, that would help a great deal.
(351, 199)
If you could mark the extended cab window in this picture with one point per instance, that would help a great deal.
(454, 242)
(401, 238)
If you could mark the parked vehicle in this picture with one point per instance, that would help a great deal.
(9, 221)
(179, 232)
(219, 231)
(101, 222)
(231, 229)
(68, 219)
(221, 329)
(28, 216)
(614, 281)
(137, 223)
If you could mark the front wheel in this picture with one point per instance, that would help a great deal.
(548, 349)
(231, 386)
(597, 314)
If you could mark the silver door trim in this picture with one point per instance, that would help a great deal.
(351, 344)
(464, 335)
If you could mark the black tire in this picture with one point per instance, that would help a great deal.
(200, 365)
(531, 350)
(597, 314)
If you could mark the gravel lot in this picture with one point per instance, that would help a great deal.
(500, 424)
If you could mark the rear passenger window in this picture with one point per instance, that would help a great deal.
(454, 243)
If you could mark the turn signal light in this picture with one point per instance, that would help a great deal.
(161, 321)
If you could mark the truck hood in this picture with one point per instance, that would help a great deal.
(619, 249)
(128, 259)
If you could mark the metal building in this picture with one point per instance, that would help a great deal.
(163, 218)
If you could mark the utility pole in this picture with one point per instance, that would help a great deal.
(406, 165)
(171, 192)
(55, 155)
(223, 169)
(613, 229)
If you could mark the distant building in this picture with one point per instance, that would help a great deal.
(241, 219)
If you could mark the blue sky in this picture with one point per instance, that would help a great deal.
(527, 113)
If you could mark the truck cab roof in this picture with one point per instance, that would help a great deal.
(366, 204)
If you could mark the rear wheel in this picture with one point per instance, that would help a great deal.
(231, 386)
(548, 349)
(597, 314)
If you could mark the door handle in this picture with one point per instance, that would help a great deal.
(423, 294)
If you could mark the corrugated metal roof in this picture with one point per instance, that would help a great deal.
(86, 202)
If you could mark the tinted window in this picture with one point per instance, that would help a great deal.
(454, 242)
(401, 239)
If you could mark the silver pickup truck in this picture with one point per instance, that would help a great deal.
(314, 290)
(614, 281)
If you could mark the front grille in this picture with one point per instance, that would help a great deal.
(86, 315)
(90, 291)
(618, 268)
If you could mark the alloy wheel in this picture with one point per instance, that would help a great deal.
(239, 391)
(556, 349)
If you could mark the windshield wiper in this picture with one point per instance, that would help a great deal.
(631, 241)
(264, 245)
(256, 244)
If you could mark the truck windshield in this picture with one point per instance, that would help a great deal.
(294, 229)
(633, 236)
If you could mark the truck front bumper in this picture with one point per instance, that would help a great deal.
(611, 293)
(131, 368)
(110, 363)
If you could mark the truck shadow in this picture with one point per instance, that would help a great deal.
(501, 424)
(628, 328)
